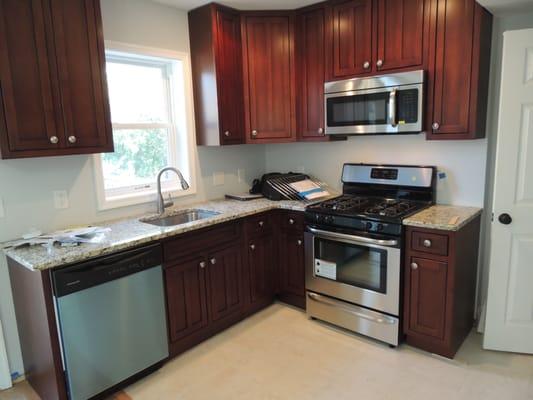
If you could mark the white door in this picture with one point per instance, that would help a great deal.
(509, 325)
(5, 378)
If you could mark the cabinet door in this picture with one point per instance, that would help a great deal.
(229, 76)
(186, 298)
(292, 279)
(225, 283)
(427, 296)
(27, 111)
(261, 270)
(79, 46)
(310, 42)
(352, 37)
(401, 27)
(268, 78)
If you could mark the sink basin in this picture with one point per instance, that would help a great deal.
(181, 217)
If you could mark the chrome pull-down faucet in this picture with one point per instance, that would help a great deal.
(162, 204)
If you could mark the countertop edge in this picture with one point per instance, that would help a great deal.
(476, 211)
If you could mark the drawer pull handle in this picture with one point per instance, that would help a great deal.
(291, 221)
(414, 266)
(299, 242)
(202, 264)
(261, 223)
(213, 261)
(252, 246)
(427, 243)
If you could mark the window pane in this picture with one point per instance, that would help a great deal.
(139, 155)
(137, 93)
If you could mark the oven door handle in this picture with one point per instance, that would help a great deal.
(352, 238)
(325, 301)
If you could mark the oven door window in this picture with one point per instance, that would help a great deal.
(352, 264)
(361, 109)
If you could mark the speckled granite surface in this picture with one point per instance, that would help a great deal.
(449, 218)
(129, 233)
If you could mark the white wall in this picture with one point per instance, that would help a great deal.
(26, 185)
(463, 162)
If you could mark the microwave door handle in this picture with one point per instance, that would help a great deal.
(392, 108)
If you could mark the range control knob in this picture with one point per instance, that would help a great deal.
(329, 219)
(368, 226)
(380, 227)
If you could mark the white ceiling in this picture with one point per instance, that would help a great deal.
(498, 7)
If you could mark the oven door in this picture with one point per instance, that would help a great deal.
(357, 269)
(375, 111)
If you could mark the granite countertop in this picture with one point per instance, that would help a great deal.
(449, 218)
(129, 233)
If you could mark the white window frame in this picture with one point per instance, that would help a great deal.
(181, 138)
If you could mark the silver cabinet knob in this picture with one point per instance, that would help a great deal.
(202, 264)
(320, 131)
(299, 242)
(254, 133)
(261, 223)
(291, 221)
(252, 246)
(54, 139)
(72, 139)
(366, 65)
(414, 266)
(435, 126)
(427, 243)
(213, 261)
(379, 63)
(227, 133)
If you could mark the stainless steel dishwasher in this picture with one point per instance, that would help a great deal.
(111, 319)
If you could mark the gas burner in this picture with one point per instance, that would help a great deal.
(390, 208)
(344, 203)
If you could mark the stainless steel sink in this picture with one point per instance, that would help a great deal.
(181, 217)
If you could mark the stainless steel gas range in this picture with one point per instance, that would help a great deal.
(354, 247)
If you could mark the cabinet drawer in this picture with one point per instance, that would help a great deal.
(431, 243)
(258, 224)
(292, 220)
(200, 241)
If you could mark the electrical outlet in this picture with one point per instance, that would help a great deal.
(241, 175)
(218, 178)
(60, 199)
(2, 211)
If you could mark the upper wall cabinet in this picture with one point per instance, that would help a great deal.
(53, 92)
(350, 41)
(370, 36)
(459, 71)
(310, 61)
(269, 77)
(215, 35)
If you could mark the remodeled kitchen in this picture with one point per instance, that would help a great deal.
(266, 200)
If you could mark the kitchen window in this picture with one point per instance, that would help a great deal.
(151, 114)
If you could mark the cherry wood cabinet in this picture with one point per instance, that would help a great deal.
(215, 39)
(402, 33)
(440, 285)
(269, 77)
(186, 297)
(261, 251)
(311, 71)
(459, 70)
(292, 259)
(350, 40)
(53, 98)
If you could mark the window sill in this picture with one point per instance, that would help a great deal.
(140, 198)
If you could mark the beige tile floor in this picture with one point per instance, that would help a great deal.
(280, 354)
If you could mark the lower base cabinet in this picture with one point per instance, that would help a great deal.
(440, 287)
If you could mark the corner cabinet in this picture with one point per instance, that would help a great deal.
(440, 287)
(53, 90)
(459, 70)
(269, 77)
(215, 39)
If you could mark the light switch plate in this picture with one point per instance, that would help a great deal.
(60, 199)
(218, 178)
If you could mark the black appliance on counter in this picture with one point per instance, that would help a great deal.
(354, 247)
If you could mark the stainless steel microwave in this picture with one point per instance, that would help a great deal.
(385, 104)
